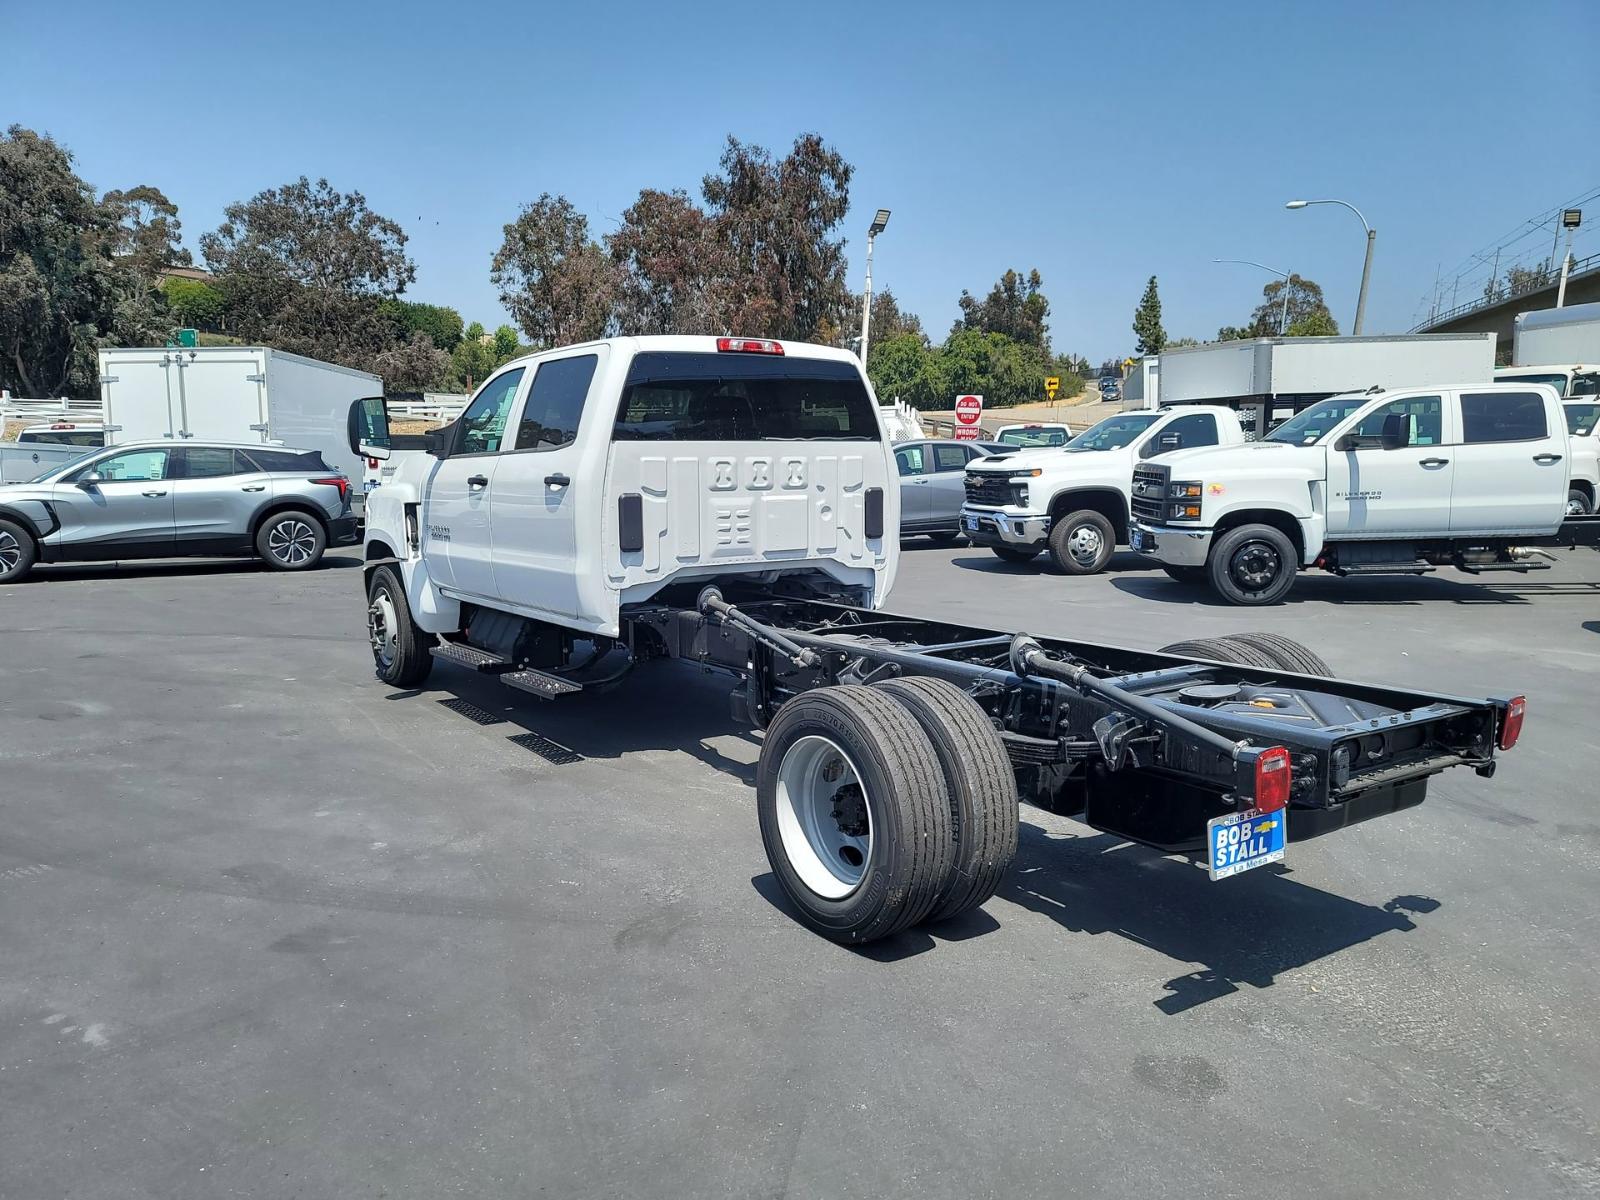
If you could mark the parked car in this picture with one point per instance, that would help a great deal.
(158, 500)
(85, 435)
(1037, 433)
(932, 471)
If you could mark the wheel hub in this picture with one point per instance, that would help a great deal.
(381, 627)
(850, 811)
(1084, 543)
(1255, 565)
(824, 817)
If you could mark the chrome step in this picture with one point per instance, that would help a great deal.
(472, 658)
(546, 687)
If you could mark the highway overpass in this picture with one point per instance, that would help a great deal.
(1481, 316)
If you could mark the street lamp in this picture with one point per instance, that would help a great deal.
(1283, 314)
(1571, 218)
(1366, 265)
(878, 225)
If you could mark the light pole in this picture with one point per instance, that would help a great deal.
(1283, 313)
(879, 222)
(1570, 219)
(1366, 265)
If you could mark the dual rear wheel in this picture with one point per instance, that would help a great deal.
(885, 806)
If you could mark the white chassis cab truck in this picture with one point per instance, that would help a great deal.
(1372, 483)
(1071, 501)
(731, 502)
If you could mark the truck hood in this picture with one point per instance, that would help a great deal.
(1020, 460)
(1054, 460)
(1207, 462)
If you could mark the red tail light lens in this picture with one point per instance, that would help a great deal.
(1273, 775)
(338, 481)
(749, 346)
(1511, 723)
(372, 464)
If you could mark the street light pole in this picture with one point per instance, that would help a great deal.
(1283, 312)
(1571, 218)
(879, 222)
(1366, 265)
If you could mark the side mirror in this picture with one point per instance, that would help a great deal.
(89, 482)
(1345, 443)
(1393, 441)
(369, 427)
(441, 439)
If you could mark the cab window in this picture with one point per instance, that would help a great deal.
(133, 466)
(1196, 429)
(1502, 417)
(482, 427)
(1419, 418)
(950, 458)
(910, 460)
(207, 462)
(555, 402)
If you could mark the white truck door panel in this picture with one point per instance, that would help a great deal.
(1512, 465)
(139, 393)
(220, 396)
(1373, 492)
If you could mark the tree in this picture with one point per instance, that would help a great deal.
(1305, 303)
(192, 302)
(1522, 280)
(786, 275)
(558, 284)
(1014, 307)
(1147, 321)
(441, 324)
(1235, 333)
(1180, 343)
(64, 292)
(890, 321)
(1314, 324)
(303, 267)
(675, 270)
(898, 365)
(148, 231)
(415, 365)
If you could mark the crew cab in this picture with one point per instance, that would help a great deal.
(1072, 500)
(1377, 482)
(1583, 433)
(730, 503)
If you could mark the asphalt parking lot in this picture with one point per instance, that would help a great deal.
(271, 928)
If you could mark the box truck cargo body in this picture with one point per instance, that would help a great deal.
(1270, 379)
(1557, 335)
(234, 394)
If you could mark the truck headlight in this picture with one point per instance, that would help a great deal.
(1019, 495)
(1184, 512)
(1185, 491)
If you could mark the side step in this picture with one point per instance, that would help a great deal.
(472, 658)
(524, 679)
(546, 687)
(1398, 568)
(1480, 568)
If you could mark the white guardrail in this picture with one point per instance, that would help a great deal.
(15, 408)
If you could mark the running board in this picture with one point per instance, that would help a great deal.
(472, 658)
(546, 687)
(1410, 568)
(1480, 568)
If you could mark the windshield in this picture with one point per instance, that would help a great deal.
(1312, 425)
(56, 468)
(1034, 437)
(1113, 433)
(93, 439)
(688, 397)
(1559, 382)
(1581, 418)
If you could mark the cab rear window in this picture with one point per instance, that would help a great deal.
(686, 397)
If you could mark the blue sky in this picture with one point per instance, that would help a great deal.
(1100, 143)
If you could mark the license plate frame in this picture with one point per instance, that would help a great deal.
(1141, 541)
(971, 524)
(1261, 840)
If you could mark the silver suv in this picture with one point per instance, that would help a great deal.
(164, 500)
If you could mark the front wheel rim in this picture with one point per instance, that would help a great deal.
(382, 628)
(292, 542)
(1575, 508)
(10, 553)
(1255, 565)
(1084, 544)
(824, 818)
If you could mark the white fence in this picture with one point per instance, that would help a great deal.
(16, 408)
(434, 406)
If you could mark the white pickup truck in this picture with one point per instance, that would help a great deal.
(730, 502)
(1072, 500)
(1583, 431)
(1379, 482)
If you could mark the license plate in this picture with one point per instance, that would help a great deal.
(368, 485)
(972, 523)
(1245, 841)
(1140, 540)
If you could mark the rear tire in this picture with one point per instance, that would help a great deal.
(979, 781)
(1286, 652)
(1252, 565)
(18, 552)
(853, 813)
(1082, 542)
(1222, 650)
(1578, 503)
(1193, 576)
(399, 647)
(1015, 554)
(292, 540)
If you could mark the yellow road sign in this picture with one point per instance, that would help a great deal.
(1051, 386)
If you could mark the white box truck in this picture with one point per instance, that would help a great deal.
(1558, 346)
(1268, 380)
(234, 394)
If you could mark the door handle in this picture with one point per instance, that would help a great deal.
(1433, 462)
(477, 481)
(152, 495)
(556, 481)
(1546, 459)
(254, 487)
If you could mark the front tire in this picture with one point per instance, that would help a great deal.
(1015, 554)
(854, 814)
(1082, 542)
(1578, 503)
(17, 552)
(1252, 565)
(291, 541)
(399, 647)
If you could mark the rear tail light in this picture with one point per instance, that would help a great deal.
(1511, 723)
(1273, 775)
(732, 345)
(372, 464)
(338, 481)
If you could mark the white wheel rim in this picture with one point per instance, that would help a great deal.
(829, 853)
(1574, 509)
(382, 628)
(291, 542)
(1084, 543)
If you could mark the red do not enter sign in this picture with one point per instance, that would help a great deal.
(969, 409)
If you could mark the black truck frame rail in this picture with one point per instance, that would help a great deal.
(1143, 745)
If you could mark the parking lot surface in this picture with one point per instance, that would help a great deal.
(271, 928)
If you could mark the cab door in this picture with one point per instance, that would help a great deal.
(456, 532)
(1512, 464)
(915, 464)
(1373, 492)
(538, 490)
(118, 506)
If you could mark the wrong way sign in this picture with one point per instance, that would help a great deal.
(969, 410)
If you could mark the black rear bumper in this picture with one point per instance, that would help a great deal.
(343, 530)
